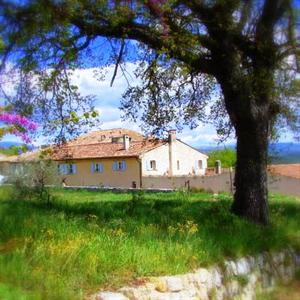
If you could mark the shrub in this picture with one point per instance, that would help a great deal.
(226, 156)
(32, 180)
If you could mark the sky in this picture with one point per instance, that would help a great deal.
(107, 102)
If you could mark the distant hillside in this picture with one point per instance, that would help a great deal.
(9, 144)
(280, 153)
(13, 148)
(285, 153)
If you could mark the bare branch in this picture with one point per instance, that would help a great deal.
(118, 61)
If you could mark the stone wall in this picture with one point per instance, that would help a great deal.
(216, 183)
(284, 185)
(221, 183)
(239, 279)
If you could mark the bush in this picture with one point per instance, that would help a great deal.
(226, 156)
(32, 180)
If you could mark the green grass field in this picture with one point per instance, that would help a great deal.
(89, 240)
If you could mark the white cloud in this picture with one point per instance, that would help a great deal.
(108, 102)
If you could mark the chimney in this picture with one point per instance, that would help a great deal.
(126, 141)
(172, 135)
(172, 139)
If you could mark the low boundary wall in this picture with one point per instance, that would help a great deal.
(220, 183)
(234, 279)
(215, 183)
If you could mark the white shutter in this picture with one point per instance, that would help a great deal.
(196, 165)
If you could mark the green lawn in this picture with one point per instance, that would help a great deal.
(88, 240)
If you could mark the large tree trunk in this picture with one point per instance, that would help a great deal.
(247, 100)
(251, 194)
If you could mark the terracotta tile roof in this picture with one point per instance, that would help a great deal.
(291, 170)
(105, 150)
(27, 156)
(91, 146)
(104, 136)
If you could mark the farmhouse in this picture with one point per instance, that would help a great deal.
(122, 157)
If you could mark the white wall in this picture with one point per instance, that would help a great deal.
(161, 156)
(186, 155)
(188, 160)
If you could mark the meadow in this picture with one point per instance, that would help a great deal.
(86, 240)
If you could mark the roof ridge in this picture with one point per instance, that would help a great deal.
(105, 143)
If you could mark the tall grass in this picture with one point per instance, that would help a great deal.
(89, 240)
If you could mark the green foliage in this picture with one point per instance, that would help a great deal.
(87, 240)
(243, 280)
(226, 156)
(14, 150)
(31, 180)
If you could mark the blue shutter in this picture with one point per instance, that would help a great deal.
(74, 168)
(92, 168)
(101, 167)
(61, 169)
(123, 165)
(114, 166)
(64, 169)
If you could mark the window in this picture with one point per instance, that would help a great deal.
(178, 165)
(119, 165)
(67, 169)
(97, 168)
(152, 164)
(200, 164)
(71, 169)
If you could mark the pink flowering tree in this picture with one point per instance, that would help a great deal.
(16, 124)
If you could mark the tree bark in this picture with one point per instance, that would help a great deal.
(251, 194)
(247, 101)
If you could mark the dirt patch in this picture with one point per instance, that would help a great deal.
(292, 170)
(286, 292)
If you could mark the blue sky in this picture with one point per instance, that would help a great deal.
(108, 102)
(108, 98)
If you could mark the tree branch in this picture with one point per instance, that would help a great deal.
(118, 61)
